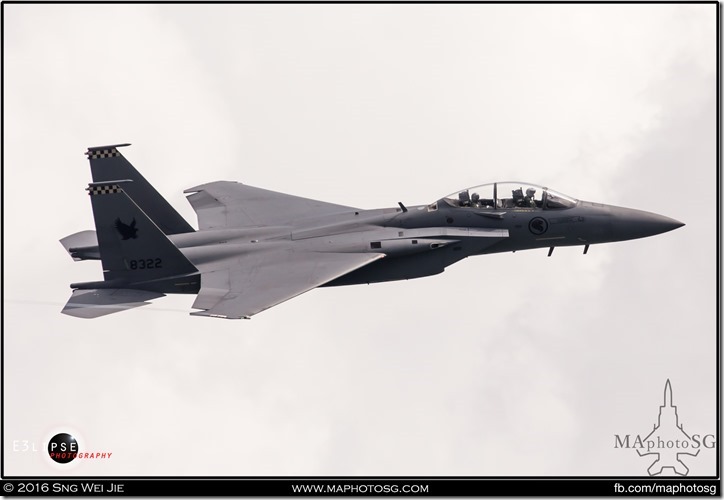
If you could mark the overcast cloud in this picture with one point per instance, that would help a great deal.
(508, 364)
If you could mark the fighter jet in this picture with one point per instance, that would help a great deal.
(256, 248)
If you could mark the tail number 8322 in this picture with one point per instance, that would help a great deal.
(145, 264)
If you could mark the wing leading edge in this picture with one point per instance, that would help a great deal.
(259, 281)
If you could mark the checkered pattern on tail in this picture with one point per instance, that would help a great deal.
(109, 189)
(94, 154)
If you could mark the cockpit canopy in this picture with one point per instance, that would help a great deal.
(507, 195)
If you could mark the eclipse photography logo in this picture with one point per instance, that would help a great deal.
(63, 448)
(667, 443)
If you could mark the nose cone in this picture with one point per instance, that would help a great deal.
(628, 224)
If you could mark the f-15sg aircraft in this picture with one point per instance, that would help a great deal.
(257, 248)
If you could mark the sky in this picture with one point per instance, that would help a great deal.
(504, 365)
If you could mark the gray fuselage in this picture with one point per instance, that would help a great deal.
(423, 240)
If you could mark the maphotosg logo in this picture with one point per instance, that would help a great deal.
(63, 448)
(668, 443)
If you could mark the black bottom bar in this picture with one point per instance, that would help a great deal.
(410, 487)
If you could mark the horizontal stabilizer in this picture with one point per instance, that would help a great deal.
(82, 245)
(95, 303)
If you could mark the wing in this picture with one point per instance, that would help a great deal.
(259, 281)
(225, 204)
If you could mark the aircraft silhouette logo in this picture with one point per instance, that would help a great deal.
(669, 438)
(127, 231)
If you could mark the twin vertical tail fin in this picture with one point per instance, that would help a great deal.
(139, 261)
(108, 164)
(133, 249)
